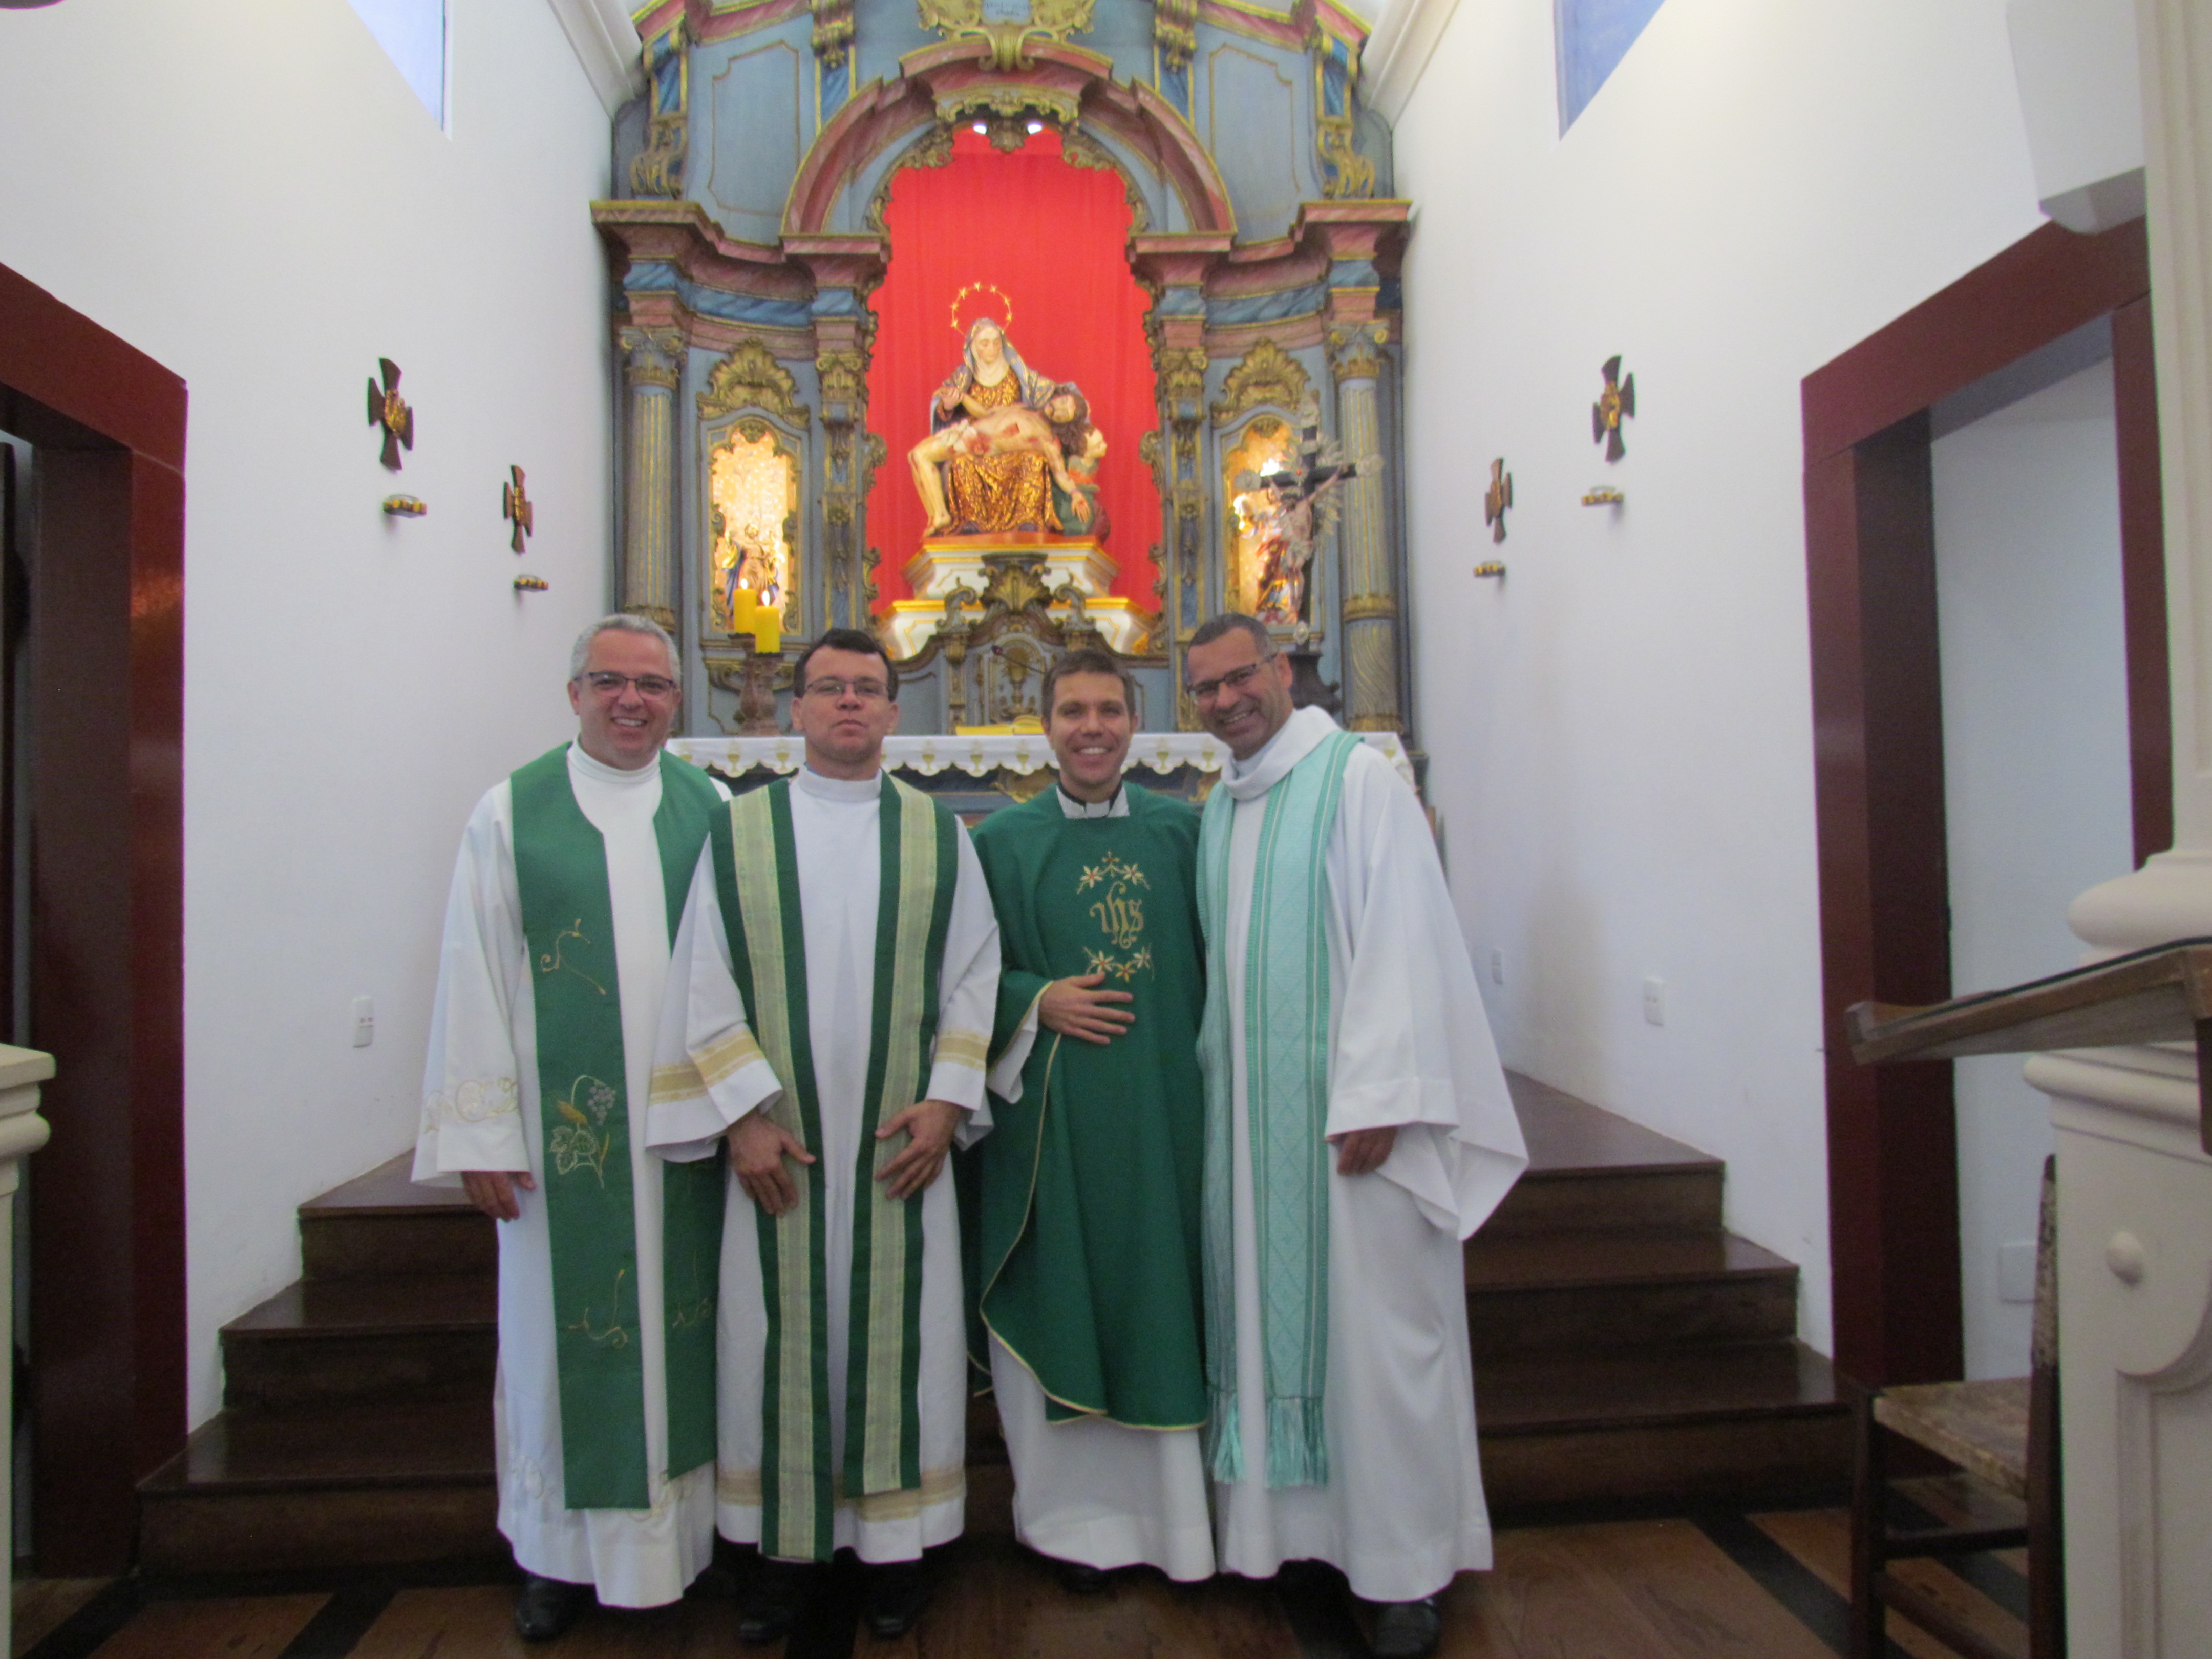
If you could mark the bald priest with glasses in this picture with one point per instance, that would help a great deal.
(829, 1014)
(571, 876)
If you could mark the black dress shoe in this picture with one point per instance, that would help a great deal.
(779, 1595)
(1078, 1578)
(896, 1593)
(1407, 1630)
(547, 1606)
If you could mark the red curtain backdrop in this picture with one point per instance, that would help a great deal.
(1052, 237)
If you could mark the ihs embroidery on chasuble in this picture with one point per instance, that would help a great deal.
(1120, 912)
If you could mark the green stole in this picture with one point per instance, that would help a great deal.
(567, 922)
(757, 881)
(1286, 1008)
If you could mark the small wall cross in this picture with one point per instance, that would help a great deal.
(1497, 499)
(518, 507)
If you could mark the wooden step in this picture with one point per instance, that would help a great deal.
(383, 1224)
(1591, 1169)
(1594, 1291)
(418, 1337)
(325, 1487)
(1759, 1423)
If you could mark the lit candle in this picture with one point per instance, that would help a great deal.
(768, 630)
(743, 606)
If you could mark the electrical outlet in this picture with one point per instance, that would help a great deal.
(364, 1022)
(1654, 1002)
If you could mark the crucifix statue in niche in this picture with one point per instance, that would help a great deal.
(1284, 509)
(1009, 450)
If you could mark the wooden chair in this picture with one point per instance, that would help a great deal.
(2004, 1432)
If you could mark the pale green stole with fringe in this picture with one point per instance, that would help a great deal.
(568, 923)
(1286, 1006)
(756, 882)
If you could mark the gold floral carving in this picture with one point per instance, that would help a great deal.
(833, 31)
(1005, 37)
(934, 150)
(657, 169)
(750, 378)
(1148, 450)
(1265, 374)
(1356, 354)
(1182, 371)
(1350, 176)
(1080, 150)
(987, 99)
(844, 376)
(1175, 31)
(653, 356)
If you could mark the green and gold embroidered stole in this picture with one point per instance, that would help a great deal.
(1287, 1007)
(567, 922)
(757, 880)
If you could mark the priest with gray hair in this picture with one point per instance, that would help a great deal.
(571, 876)
(1358, 1128)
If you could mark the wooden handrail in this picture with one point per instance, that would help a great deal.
(2161, 994)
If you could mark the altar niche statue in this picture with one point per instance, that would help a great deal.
(1001, 440)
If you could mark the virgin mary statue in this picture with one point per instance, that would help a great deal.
(1002, 491)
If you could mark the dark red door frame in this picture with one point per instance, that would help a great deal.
(1877, 743)
(107, 896)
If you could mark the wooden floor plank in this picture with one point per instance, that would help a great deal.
(478, 1623)
(228, 1627)
(1821, 1539)
(1688, 1588)
(1545, 1601)
(42, 1605)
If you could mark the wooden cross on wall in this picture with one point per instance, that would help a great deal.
(388, 409)
(1497, 499)
(1615, 404)
(518, 507)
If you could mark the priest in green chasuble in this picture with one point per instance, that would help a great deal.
(571, 875)
(1086, 1219)
(829, 1015)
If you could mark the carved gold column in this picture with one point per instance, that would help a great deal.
(846, 269)
(652, 364)
(1370, 588)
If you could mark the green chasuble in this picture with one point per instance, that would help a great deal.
(568, 921)
(755, 863)
(1082, 1204)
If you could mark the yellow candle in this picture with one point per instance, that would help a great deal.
(768, 630)
(743, 606)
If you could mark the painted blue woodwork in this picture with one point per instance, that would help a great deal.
(658, 277)
(1593, 36)
(1252, 127)
(1267, 308)
(1175, 87)
(835, 87)
(757, 104)
(413, 35)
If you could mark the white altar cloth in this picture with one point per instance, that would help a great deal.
(1019, 752)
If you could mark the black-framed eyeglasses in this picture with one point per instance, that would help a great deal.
(866, 690)
(1235, 680)
(654, 688)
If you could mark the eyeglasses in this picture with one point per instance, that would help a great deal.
(866, 690)
(1235, 681)
(608, 683)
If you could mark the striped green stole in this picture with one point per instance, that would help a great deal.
(757, 881)
(568, 924)
(1287, 1007)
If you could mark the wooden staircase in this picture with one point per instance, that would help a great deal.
(356, 1421)
(1627, 1351)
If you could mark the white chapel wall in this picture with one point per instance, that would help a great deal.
(250, 193)
(1621, 729)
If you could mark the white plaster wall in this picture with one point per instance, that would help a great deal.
(250, 193)
(1621, 729)
(2036, 806)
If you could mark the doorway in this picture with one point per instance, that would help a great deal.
(1870, 419)
(97, 433)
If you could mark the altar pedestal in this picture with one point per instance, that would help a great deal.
(949, 563)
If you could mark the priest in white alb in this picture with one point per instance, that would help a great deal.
(829, 1013)
(571, 876)
(1358, 1130)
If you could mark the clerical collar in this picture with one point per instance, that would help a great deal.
(846, 789)
(598, 771)
(1247, 779)
(1116, 806)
